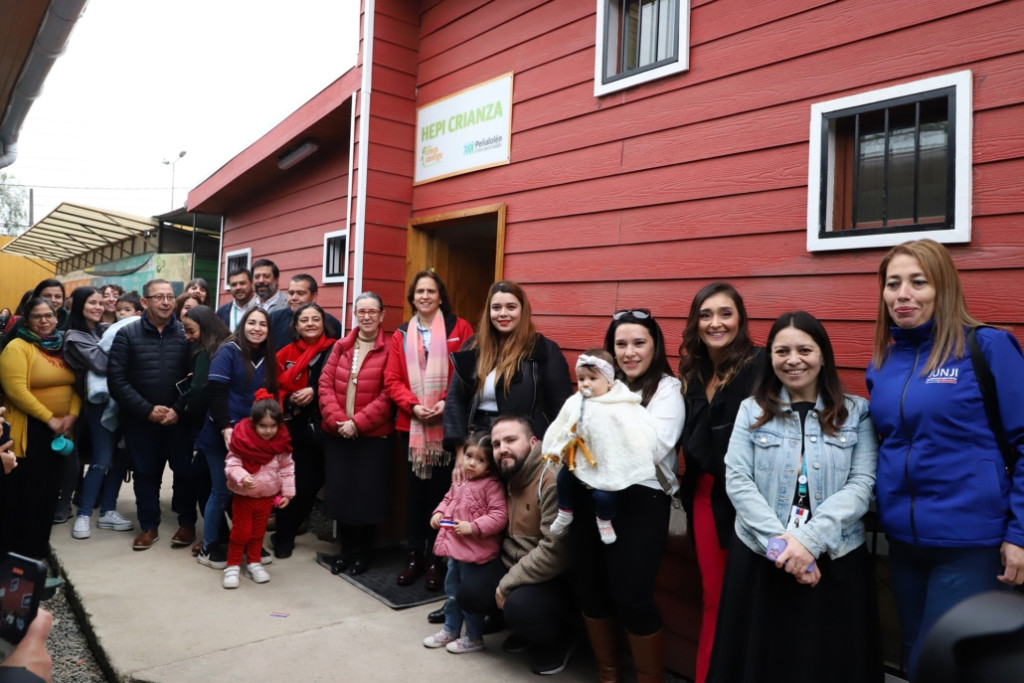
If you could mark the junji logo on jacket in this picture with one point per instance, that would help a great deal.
(942, 376)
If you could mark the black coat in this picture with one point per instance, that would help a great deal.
(538, 390)
(145, 366)
(705, 442)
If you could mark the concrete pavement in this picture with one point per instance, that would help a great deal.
(161, 617)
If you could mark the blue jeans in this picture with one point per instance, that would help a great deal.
(606, 503)
(928, 582)
(152, 447)
(102, 475)
(220, 497)
(453, 616)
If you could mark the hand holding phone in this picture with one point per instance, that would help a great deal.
(776, 546)
(22, 586)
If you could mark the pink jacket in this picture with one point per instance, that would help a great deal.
(481, 501)
(277, 476)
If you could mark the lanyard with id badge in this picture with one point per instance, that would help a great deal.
(800, 512)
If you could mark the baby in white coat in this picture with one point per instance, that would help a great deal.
(603, 438)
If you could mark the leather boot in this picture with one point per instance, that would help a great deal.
(604, 642)
(648, 657)
(413, 570)
(437, 567)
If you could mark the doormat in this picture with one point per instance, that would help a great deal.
(379, 580)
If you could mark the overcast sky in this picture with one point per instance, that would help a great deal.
(143, 80)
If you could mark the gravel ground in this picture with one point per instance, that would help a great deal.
(73, 660)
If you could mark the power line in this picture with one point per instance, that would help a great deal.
(163, 188)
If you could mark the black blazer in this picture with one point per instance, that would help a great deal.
(705, 441)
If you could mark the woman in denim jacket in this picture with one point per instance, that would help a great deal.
(800, 468)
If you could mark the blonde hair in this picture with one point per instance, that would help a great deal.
(505, 354)
(951, 315)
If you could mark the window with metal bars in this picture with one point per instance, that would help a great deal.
(236, 259)
(335, 256)
(884, 166)
(640, 40)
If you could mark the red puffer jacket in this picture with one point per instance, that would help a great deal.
(375, 413)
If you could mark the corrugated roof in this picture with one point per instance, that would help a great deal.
(72, 229)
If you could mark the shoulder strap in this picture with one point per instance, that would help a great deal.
(987, 384)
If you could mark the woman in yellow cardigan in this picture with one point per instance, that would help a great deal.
(41, 403)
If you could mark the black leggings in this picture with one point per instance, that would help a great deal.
(422, 497)
(617, 580)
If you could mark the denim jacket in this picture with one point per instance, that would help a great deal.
(762, 466)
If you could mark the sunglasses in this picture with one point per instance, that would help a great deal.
(637, 313)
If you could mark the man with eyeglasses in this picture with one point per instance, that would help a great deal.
(242, 295)
(302, 289)
(147, 360)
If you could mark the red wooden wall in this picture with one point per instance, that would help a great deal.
(641, 197)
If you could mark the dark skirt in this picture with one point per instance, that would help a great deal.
(358, 478)
(772, 628)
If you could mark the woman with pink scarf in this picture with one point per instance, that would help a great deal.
(416, 378)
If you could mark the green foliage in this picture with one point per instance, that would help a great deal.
(13, 206)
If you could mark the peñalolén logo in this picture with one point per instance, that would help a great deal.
(942, 376)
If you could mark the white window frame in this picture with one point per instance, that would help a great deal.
(228, 255)
(681, 64)
(960, 233)
(334, 279)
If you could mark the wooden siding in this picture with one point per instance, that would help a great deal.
(641, 197)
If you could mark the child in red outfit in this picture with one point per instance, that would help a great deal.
(258, 466)
(471, 517)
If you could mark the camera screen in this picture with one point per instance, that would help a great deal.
(16, 598)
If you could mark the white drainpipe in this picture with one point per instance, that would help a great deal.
(359, 237)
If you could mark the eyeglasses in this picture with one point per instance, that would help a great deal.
(162, 297)
(638, 313)
(367, 313)
(41, 316)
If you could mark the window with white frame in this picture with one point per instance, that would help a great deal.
(335, 256)
(640, 41)
(891, 165)
(236, 259)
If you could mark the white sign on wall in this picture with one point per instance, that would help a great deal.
(464, 132)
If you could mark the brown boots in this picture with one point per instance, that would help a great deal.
(648, 652)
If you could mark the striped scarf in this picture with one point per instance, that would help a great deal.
(428, 379)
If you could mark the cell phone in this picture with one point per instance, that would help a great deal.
(22, 586)
(7, 433)
(775, 547)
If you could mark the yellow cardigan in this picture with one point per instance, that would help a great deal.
(35, 384)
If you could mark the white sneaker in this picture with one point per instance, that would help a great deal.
(231, 576)
(257, 573)
(112, 520)
(81, 528)
(440, 639)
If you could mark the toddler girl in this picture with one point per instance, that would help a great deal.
(471, 517)
(258, 466)
(603, 436)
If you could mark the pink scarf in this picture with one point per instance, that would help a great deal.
(428, 380)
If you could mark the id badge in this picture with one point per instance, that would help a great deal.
(798, 516)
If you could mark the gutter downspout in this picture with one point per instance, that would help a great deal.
(50, 43)
(364, 149)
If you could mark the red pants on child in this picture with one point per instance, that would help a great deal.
(248, 526)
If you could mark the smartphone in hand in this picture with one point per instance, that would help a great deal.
(22, 585)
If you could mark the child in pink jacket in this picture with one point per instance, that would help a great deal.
(259, 466)
(471, 517)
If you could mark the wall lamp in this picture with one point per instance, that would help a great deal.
(297, 154)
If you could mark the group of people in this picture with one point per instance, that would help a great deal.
(543, 510)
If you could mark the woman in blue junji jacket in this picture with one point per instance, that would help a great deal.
(953, 515)
(800, 467)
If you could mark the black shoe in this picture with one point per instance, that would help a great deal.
(360, 566)
(493, 623)
(265, 557)
(413, 569)
(339, 565)
(437, 616)
(552, 659)
(212, 556)
(515, 644)
(282, 549)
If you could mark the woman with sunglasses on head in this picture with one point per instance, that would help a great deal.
(615, 583)
(717, 368)
(799, 469)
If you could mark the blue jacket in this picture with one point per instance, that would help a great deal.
(762, 465)
(941, 477)
(227, 369)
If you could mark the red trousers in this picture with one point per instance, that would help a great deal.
(711, 560)
(248, 526)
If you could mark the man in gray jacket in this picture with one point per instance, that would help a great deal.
(527, 581)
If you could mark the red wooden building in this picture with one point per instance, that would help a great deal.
(643, 149)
